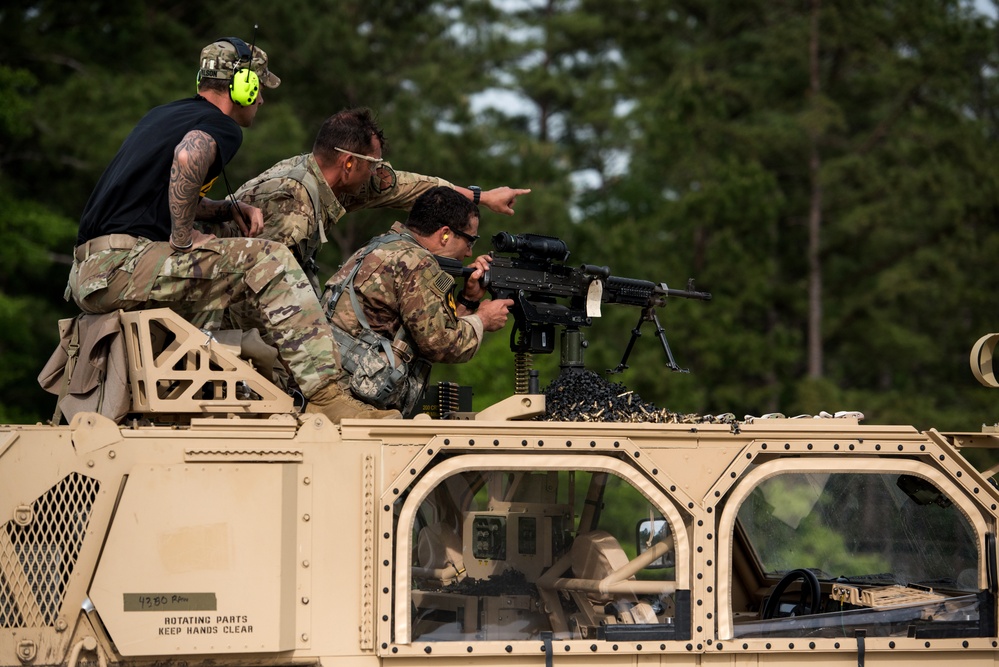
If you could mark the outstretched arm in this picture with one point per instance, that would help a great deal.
(498, 200)
(409, 186)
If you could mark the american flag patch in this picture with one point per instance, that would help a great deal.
(443, 283)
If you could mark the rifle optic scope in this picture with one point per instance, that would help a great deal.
(534, 246)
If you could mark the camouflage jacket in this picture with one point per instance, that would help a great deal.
(401, 284)
(300, 208)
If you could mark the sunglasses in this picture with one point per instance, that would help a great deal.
(382, 173)
(377, 161)
(470, 239)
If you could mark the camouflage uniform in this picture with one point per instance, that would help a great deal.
(300, 208)
(400, 284)
(123, 258)
(201, 283)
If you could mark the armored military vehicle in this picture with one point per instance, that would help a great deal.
(216, 525)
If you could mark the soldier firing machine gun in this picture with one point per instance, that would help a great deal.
(532, 272)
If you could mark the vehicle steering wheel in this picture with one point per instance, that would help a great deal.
(809, 591)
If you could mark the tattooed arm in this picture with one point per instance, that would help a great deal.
(213, 211)
(191, 159)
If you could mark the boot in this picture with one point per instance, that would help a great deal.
(338, 404)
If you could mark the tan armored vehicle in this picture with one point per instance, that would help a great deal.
(218, 526)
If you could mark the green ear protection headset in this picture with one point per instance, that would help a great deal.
(244, 84)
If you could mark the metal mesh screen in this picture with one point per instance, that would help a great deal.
(38, 552)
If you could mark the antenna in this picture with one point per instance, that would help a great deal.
(253, 41)
(237, 214)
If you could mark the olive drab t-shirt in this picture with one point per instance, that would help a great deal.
(131, 195)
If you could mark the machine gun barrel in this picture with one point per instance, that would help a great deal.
(689, 293)
(635, 292)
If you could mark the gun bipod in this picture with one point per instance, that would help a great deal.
(647, 315)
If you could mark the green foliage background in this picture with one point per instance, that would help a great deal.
(665, 139)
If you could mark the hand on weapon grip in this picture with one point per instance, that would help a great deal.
(493, 313)
(473, 287)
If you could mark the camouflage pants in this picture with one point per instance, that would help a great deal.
(202, 283)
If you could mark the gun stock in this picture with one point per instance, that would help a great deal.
(453, 267)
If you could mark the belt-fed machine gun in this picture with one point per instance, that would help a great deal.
(547, 292)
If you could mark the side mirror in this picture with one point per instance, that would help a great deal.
(652, 532)
(922, 492)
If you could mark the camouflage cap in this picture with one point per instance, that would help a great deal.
(220, 59)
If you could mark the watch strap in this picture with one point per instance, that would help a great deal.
(470, 306)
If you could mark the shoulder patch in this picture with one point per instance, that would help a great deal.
(443, 283)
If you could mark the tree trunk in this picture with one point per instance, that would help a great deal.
(815, 207)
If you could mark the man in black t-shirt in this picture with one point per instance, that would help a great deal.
(138, 248)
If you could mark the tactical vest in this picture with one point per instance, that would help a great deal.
(384, 373)
(308, 247)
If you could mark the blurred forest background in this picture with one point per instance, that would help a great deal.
(827, 169)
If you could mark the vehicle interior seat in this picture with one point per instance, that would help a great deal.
(438, 554)
(595, 555)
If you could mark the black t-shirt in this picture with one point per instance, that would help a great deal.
(131, 196)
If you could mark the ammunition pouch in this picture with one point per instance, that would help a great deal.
(383, 373)
(89, 368)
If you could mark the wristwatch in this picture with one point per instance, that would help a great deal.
(470, 306)
(476, 193)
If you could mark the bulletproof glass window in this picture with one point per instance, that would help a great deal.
(511, 554)
(887, 554)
